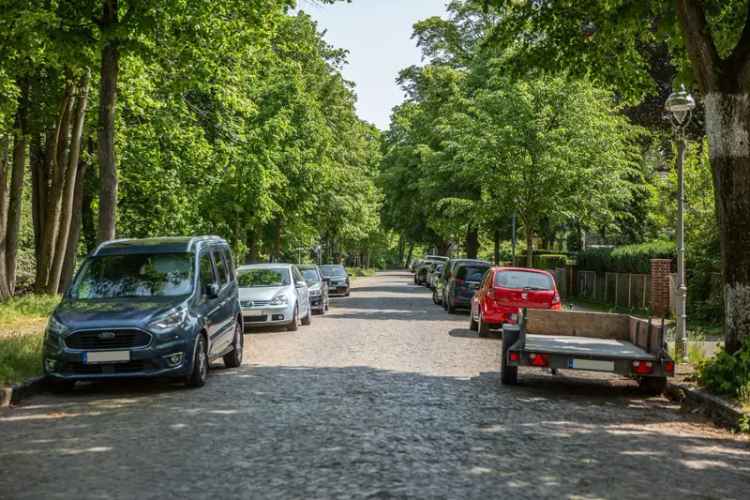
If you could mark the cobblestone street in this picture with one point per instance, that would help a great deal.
(386, 396)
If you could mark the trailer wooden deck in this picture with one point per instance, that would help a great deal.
(586, 347)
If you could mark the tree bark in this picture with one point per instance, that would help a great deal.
(472, 242)
(728, 127)
(107, 108)
(71, 172)
(71, 252)
(529, 247)
(54, 197)
(16, 187)
(725, 83)
(496, 238)
(410, 253)
(4, 168)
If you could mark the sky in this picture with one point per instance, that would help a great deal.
(377, 34)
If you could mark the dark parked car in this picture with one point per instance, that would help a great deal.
(422, 270)
(338, 279)
(162, 307)
(463, 283)
(318, 287)
(440, 290)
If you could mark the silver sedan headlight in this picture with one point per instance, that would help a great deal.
(280, 300)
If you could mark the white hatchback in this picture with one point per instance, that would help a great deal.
(273, 294)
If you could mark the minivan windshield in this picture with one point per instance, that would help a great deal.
(523, 280)
(333, 271)
(254, 278)
(134, 275)
(311, 276)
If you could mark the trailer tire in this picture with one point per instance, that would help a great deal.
(508, 374)
(652, 386)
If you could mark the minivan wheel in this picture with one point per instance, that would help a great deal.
(292, 327)
(200, 364)
(234, 358)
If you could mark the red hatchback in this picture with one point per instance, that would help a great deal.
(505, 290)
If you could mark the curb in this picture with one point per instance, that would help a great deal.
(719, 411)
(14, 394)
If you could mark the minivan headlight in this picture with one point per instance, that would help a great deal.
(279, 300)
(169, 321)
(55, 327)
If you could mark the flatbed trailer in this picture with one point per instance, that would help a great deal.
(600, 342)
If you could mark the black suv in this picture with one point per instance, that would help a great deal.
(147, 308)
(458, 283)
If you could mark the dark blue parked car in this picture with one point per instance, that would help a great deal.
(162, 307)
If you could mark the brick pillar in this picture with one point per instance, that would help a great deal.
(660, 271)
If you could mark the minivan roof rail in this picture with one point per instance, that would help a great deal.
(189, 240)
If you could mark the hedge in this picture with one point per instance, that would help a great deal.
(544, 261)
(626, 259)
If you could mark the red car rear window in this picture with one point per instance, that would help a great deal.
(523, 280)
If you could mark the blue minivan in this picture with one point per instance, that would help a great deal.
(160, 307)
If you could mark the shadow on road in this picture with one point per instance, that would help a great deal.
(465, 333)
(304, 432)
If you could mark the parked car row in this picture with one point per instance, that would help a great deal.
(167, 307)
(493, 295)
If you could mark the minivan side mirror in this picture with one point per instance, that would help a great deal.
(212, 290)
(301, 284)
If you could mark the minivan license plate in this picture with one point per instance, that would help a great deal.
(92, 358)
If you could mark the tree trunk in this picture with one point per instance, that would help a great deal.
(38, 190)
(107, 108)
(410, 253)
(16, 188)
(54, 197)
(728, 128)
(529, 247)
(71, 252)
(472, 242)
(4, 168)
(71, 172)
(496, 238)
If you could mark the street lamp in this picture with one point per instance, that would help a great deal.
(681, 104)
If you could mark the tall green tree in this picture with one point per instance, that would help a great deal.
(710, 44)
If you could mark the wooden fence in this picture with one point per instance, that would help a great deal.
(620, 289)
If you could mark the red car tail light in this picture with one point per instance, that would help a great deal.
(669, 367)
(556, 299)
(514, 356)
(643, 367)
(539, 360)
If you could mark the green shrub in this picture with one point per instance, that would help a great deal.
(20, 357)
(357, 272)
(544, 261)
(634, 259)
(727, 373)
(27, 305)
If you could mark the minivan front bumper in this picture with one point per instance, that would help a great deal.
(171, 358)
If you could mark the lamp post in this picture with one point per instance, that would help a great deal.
(680, 105)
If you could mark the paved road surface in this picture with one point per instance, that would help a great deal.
(386, 396)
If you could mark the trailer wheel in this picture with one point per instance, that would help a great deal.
(652, 386)
(508, 374)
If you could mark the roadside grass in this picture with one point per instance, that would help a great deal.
(22, 321)
(361, 272)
